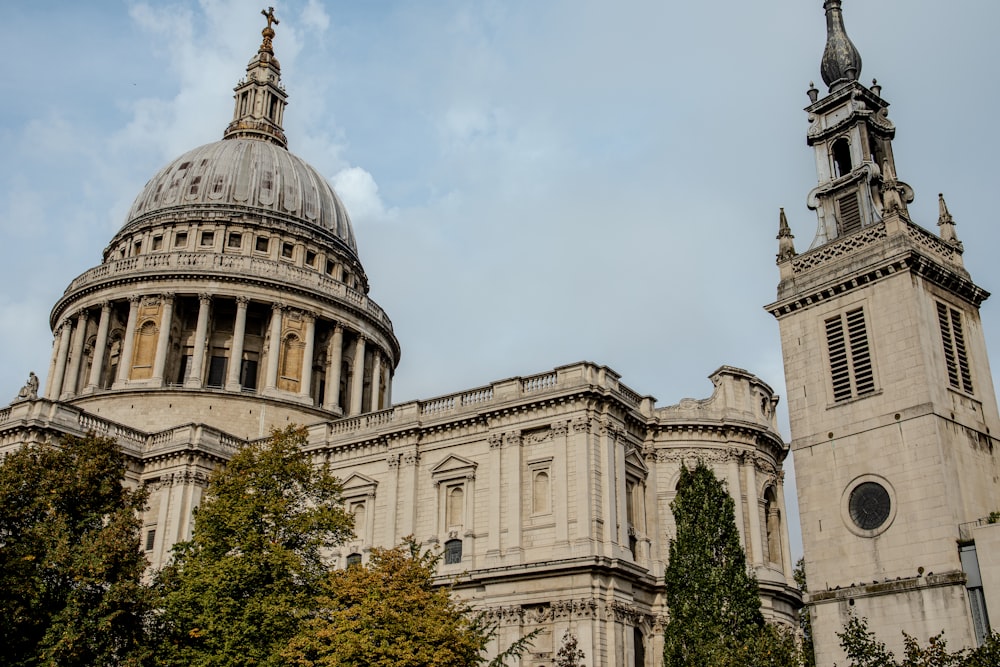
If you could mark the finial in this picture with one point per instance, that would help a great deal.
(268, 32)
(841, 61)
(813, 92)
(946, 223)
(786, 246)
(892, 198)
(877, 89)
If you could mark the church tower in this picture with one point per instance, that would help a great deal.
(891, 402)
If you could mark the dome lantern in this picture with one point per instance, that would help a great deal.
(260, 97)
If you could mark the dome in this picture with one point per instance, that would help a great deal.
(246, 175)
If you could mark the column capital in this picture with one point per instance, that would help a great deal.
(105, 304)
(134, 299)
(83, 314)
(337, 326)
(242, 301)
(65, 325)
(205, 298)
(168, 297)
(278, 306)
(309, 315)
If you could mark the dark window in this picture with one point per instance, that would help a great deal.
(156, 243)
(150, 539)
(261, 244)
(310, 258)
(182, 372)
(207, 238)
(180, 239)
(842, 157)
(195, 182)
(353, 559)
(248, 374)
(330, 267)
(286, 250)
(216, 371)
(850, 358)
(452, 552)
(956, 356)
(235, 240)
(869, 505)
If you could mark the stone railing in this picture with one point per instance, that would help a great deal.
(931, 243)
(203, 263)
(860, 239)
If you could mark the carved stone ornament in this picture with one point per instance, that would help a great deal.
(512, 439)
(560, 428)
(495, 440)
(581, 425)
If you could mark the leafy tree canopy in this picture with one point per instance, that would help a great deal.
(389, 613)
(70, 564)
(238, 591)
(863, 649)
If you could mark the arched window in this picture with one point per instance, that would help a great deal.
(360, 512)
(455, 510)
(842, 157)
(452, 552)
(541, 493)
(145, 350)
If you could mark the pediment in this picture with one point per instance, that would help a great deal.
(358, 485)
(452, 467)
(634, 463)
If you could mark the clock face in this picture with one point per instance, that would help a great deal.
(869, 505)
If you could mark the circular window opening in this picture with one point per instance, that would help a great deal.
(869, 505)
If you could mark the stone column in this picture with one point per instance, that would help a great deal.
(358, 377)
(163, 339)
(736, 491)
(512, 479)
(196, 372)
(100, 348)
(305, 381)
(128, 342)
(233, 380)
(273, 348)
(493, 516)
(392, 499)
(560, 481)
(786, 554)
(579, 448)
(76, 358)
(756, 554)
(334, 353)
(376, 379)
(62, 351)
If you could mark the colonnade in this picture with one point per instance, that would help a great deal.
(121, 358)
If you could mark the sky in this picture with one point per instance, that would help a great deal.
(531, 182)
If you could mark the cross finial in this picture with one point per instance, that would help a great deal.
(269, 15)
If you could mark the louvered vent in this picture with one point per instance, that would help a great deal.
(851, 370)
(956, 357)
(850, 213)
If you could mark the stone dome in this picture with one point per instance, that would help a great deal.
(247, 175)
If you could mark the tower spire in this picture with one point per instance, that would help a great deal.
(841, 59)
(260, 97)
(786, 244)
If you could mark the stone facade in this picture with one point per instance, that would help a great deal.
(890, 395)
(232, 302)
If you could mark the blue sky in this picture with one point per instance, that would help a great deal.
(531, 183)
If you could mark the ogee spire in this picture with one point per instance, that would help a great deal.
(841, 60)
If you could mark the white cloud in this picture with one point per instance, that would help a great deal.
(359, 192)
(314, 16)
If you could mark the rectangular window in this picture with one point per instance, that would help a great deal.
(956, 357)
(207, 238)
(850, 357)
(235, 240)
(330, 267)
(180, 239)
(150, 539)
(310, 258)
(286, 250)
(157, 243)
(261, 244)
(216, 371)
(248, 374)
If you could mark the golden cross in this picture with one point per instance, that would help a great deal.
(269, 15)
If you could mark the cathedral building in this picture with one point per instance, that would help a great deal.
(891, 401)
(232, 301)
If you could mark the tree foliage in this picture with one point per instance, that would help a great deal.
(805, 619)
(70, 563)
(239, 590)
(864, 649)
(569, 654)
(714, 604)
(389, 613)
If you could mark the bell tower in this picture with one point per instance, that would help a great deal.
(891, 402)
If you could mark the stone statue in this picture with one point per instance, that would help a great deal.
(29, 392)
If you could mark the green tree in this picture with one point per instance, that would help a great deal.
(71, 569)
(389, 613)
(239, 590)
(714, 603)
(864, 649)
(805, 619)
(569, 654)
